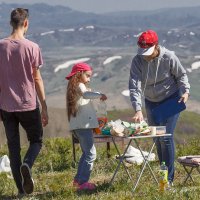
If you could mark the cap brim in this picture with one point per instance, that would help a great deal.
(69, 76)
(146, 52)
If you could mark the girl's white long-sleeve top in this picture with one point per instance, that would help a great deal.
(86, 117)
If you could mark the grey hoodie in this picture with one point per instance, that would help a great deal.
(157, 79)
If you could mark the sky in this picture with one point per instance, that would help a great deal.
(102, 6)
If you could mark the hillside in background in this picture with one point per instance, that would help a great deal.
(44, 17)
(110, 78)
(108, 43)
(62, 26)
(187, 128)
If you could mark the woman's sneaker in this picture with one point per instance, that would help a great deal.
(27, 181)
(170, 186)
(87, 186)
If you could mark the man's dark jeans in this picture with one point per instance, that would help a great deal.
(31, 122)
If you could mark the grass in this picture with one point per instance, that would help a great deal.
(54, 170)
(53, 173)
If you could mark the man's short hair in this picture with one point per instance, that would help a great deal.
(18, 16)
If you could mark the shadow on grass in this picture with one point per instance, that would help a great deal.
(5, 197)
(105, 187)
(36, 195)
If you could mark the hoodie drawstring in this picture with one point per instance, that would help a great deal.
(156, 72)
(146, 81)
(145, 85)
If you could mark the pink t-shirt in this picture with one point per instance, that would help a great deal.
(17, 86)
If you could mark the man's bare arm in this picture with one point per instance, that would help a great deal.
(41, 95)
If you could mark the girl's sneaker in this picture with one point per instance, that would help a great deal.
(76, 184)
(87, 186)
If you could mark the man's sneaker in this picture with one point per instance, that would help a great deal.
(20, 195)
(27, 181)
(87, 186)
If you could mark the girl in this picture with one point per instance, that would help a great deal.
(82, 119)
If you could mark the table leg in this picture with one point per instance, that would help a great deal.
(121, 160)
(146, 162)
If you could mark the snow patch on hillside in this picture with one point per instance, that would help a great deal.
(195, 65)
(110, 59)
(126, 93)
(47, 33)
(69, 63)
(67, 30)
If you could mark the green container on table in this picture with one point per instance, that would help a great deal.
(105, 131)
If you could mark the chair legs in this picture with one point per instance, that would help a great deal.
(108, 150)
(74, 141)
(198, 169)
(189, 172)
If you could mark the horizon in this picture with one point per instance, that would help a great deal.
(105, 6)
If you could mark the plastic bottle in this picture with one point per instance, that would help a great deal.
(163, 181)
(101, 116)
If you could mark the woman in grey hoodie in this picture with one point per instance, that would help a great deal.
(157, 74)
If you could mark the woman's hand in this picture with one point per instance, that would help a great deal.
(138, 117)
(184, 97)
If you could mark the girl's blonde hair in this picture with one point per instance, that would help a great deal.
(73, 94)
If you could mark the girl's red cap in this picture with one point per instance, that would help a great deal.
(79, 67)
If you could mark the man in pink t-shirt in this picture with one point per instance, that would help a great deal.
(21, 86)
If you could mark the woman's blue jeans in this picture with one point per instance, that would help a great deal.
(165, 145)
(85, 165)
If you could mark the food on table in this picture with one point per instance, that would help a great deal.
(123, 128)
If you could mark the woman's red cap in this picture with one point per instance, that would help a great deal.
(147, 42)
(79, 67)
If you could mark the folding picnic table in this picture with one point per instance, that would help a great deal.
(122, 156)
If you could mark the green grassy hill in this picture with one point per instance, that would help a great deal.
(54, 170)
(53, 174)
